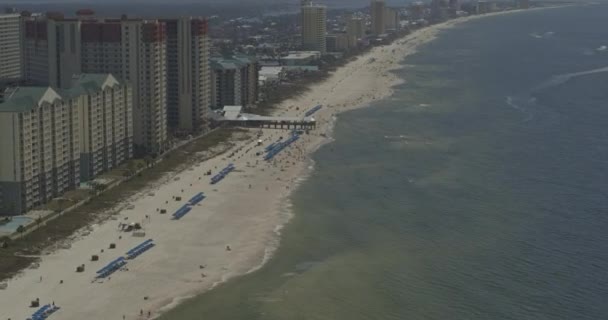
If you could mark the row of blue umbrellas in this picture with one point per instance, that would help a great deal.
(133, 253)
(280, 146)
(222, 174)
(111, 267)
(44, 312)
(196, 199)
(181, 212)
(312, 111)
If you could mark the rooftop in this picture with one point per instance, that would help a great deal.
(231, 62)
(23, 99)
(88, 83)
(302, 54)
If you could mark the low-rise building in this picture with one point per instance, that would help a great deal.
(273, 74)
(300, 58)
(337, 42)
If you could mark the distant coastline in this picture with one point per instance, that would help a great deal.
(191, 257)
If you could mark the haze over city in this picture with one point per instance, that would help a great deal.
(303, 159)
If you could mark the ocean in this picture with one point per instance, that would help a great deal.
(479, 190)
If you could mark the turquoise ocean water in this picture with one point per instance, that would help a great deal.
(479, 190)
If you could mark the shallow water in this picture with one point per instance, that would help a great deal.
(475, 192)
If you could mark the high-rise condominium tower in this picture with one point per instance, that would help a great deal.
(378, 15)
(10, 48)
(314, 27)
(188, 74)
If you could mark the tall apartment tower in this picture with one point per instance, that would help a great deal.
(314, 19)
(188, 74)
(355, 27)
(40, 148)
(454, 5)
(51, 50)
(10, 47)
(391, 19)
(105, 113)
(378, 12)
(133, 50)
(234, 81)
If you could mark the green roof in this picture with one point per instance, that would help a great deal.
(230, 62)
(87, 83)
(23, 99)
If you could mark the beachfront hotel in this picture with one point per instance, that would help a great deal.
(40, 148)
(314, 19)
(134, 50)
(53, 139)
(10, 47)
(378, 13)
(188, 74)
(355, 28)
(234, 81)
(105, 111)
(391, 19)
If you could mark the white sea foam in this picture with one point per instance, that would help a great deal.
(563, 78)
(544, 35)
(513, 103)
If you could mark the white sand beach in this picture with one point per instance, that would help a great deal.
(233, 214)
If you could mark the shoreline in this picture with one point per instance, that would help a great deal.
(248, 219)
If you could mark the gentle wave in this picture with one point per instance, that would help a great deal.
(563, 78)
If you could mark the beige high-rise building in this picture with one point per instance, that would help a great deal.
(51, 50)
(54, 139)
(234, 81)
(105, 113)
(134, 50)
(391, 19)
(355, 29)
(40, 148)
(314, 19)
(188, 74)
(10, 47)
(378, 13)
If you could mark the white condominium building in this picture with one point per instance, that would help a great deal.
(133, 50)
(378, 13)
(234, 81)
(188, 74)
(105, 111)
(391, 19)
(40, 148)
(10, 47)
(53, 139)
